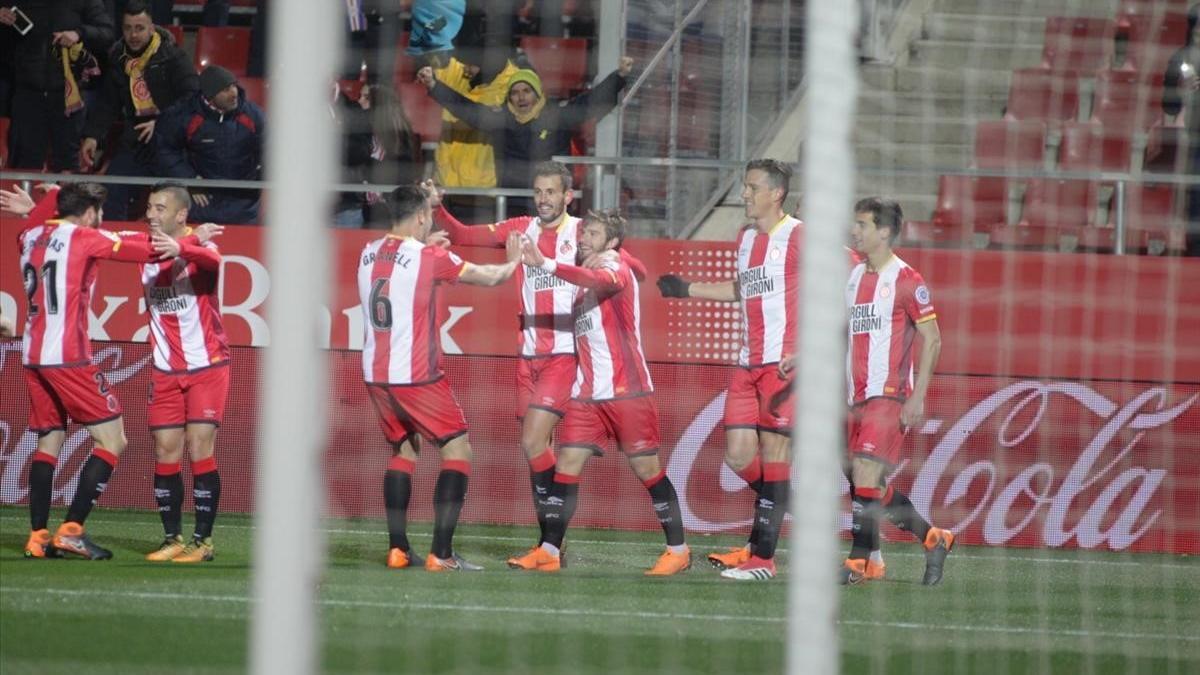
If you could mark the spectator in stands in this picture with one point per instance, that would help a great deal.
(527, 130)
(48, 65)
(354, 126)
(217, 133)
(147, 73)
(1181, 96)
(258, 41)
(162, 12)
(396, 146)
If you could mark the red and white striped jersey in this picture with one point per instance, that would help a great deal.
(546, 300)
(608, 334)
(884, 309)
(398, 279)
(185, 311)
(58, 263)
(768, 279)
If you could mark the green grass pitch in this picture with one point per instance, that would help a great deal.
(999, 610)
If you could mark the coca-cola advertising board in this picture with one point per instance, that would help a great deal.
(1065, 410)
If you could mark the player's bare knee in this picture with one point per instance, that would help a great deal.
(201, 441)
(457, 449)
(51, 443)
(775, 447)
(645, 466)
(868, 473)
(571, 460)
(741, 446)
(110, 436)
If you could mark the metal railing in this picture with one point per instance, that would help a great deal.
(501, 195)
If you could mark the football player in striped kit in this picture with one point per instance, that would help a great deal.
(190, 376)
(612, 397)
(399, 280)
(888, 305)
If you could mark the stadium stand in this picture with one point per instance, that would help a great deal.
(224, 46)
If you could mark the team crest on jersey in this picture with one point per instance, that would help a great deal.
(885, 291)
(776, 253)
(566, 247)
(922, 295)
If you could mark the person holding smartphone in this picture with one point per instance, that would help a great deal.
(47, 106)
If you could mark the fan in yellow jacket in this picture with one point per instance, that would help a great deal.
(464, 155)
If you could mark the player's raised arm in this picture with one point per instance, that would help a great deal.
(459, 233)
(494, 275)
(673, 286)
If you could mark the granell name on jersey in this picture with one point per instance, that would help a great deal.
(755, 281)
(863, 318)
(394, 257)
(166, 301)
(542, 280)
(44, 241)
(583, 324)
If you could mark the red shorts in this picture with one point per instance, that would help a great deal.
(80, 393)
(426, 409)
(873, 429)
(546, 383)
(631, 422)
(179, 399)
(759, 399)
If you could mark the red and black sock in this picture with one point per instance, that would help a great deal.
(864, 528)
(666, 507)
(93, 480)
(41, 487)
(541, 477)
(168, 494)
(771, 506)
(901, 512)
(559, 507)
(397, 489)
(448, 496)
(206, 493)
(752, 474)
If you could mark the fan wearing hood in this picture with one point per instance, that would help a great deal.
(528, 130)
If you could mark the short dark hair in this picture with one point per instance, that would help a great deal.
(886, 212)
(135, 7)
(553, 168)
(76, 198)
(177, 191)
(613, 222)
(779, 174)
(406, 200)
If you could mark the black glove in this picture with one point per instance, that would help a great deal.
(672, 286)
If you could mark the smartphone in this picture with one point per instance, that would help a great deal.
(23, 23)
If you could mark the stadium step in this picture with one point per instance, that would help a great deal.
(897, 129)
(977, 54)
(984, 28)
(896, 184)
(903, 155)
(1028, 7)
(875, 102)
(935, 79)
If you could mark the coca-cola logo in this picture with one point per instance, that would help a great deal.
(1098, 489)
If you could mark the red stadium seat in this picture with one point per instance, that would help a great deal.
(1051, 207)
(1151, 223)
(176, 32)
(225, 46)
(256, 90)
(1077, 44)
(424, 112)
(965, 205)
(1007, 144)
(1043, 95)
(1152, 40)
(1088, 146)
(1125, 102)
(560, 62)
(405, 66)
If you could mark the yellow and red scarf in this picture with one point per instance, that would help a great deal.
(143, 102)
(76, 59)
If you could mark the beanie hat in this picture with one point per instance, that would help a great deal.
(214, 80)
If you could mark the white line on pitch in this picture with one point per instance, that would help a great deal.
(973, 555)
(550, 611)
